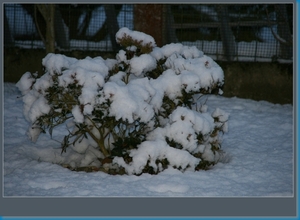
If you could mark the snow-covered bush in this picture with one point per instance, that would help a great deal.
(137, 111)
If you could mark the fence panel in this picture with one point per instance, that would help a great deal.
(251, 28)
(253, 32)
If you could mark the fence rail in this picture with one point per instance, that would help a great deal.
(231, 24)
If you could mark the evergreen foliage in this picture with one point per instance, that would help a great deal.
(164, 127)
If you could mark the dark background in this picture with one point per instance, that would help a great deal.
(254, 76)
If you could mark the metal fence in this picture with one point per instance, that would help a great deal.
(253, 32)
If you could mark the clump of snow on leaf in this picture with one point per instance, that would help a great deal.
(141, 37)
(222, 119)
(150, 151)
(102, 98)
(25, 83)
(142, 64)
(56, 63)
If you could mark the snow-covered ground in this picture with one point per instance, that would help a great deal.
(259, 146)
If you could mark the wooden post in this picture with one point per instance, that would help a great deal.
(148, 18)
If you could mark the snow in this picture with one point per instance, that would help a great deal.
(257, 161)
(137, 36)
(158, 149)
(78, 87)
(141, 64)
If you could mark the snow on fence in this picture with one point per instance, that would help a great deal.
(254, 29)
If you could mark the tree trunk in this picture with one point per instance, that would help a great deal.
(48, 12)
(229, 47)
(169, 33)
(61, 31)
(112, 25)
(283, 30)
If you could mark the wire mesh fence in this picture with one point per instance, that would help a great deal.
(242, 32)
(253, 32)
